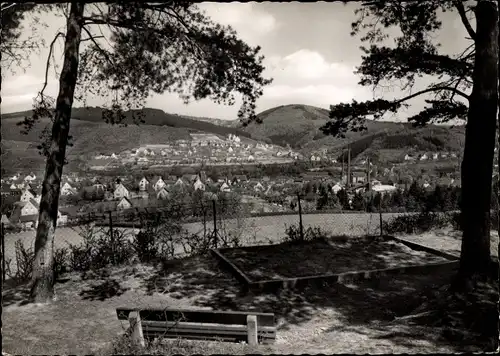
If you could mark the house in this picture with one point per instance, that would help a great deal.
(179, 182)
(241, 178)
(5, 220)
(337, 188)
(409, 158)
(158, 184)
(27, 195)
(124, 203)
(162, 194)
(435, 156)
(225, 188)
(251, 158)
(424, 157)
(121, 191)
(30, 177)
(358, 177)
(97, 185)
(198, 185)
(143, 184)
(375, 182)
(384, 188)
(24, 208)
(258, 187)
(67, 189)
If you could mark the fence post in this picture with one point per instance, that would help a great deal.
(3, 254)
(300, 219)
(112, 236)
(215, 222)
(380, 215)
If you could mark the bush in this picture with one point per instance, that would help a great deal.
(61, 262)
(416, 223)
(157, 240)
(25, 258)
(293, 235)
(99, 249)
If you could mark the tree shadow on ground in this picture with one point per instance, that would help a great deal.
(373, 304)
(107, 289)
(19, 292)
(15, 294)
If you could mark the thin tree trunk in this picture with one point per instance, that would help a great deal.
(477, 164)
(42, 289)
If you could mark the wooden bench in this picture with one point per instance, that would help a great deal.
(233, 326)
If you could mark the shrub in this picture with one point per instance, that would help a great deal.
(25, 258)
(416, 223)
(61, 262)
(99, 249)
(292, 234)
(157, 240)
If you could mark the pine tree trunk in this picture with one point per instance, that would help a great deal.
(477, 164)
(42, 289)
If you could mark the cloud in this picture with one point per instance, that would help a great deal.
(306, 76)
(19, 92)
(307, 65)
(249, 22)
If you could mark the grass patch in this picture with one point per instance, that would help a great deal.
(337, 255)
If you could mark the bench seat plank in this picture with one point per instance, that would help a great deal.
(227, 338)
(182, 325)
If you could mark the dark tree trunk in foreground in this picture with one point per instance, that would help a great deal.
(477, 164)
(42, 289)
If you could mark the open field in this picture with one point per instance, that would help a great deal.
(253, 230)
(337, 255)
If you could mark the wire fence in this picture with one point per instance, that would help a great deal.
(222, 221)
(251, 222)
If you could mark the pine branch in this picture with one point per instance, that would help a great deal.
(463, 16)
(351, 117)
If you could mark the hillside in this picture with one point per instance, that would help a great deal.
(294, 125)
(298, 126)
(154, 117)
(89, 138)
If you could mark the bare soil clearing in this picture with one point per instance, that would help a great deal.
(334, 256)
(340, 318)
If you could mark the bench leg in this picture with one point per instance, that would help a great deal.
(252, 330)
(136, 335)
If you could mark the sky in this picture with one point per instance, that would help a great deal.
(308, 51)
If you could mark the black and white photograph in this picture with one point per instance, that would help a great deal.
(188, 177)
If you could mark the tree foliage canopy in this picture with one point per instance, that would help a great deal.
(131, 50)
(414, 55)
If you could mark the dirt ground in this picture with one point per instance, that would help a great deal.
(353, 318)
(336, 255)
(447, 240)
